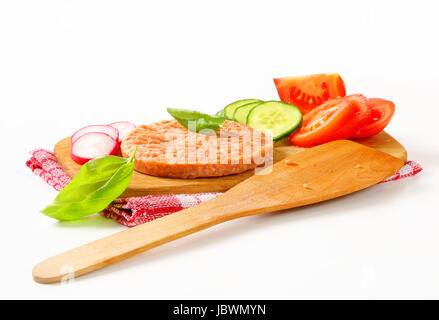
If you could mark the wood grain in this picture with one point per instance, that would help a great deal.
(142, 184)
(312, 175)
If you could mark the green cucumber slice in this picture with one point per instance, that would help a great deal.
(229, 110)
(242, 112)
(276, 118)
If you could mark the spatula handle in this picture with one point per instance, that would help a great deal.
(125, 244)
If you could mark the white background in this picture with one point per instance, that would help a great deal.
(66, 64)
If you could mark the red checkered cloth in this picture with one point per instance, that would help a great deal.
(137, 210)
(409, 169)
(44, 164)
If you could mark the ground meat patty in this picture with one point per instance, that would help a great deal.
(167, 149)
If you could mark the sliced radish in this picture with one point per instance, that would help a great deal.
(124, 127)
(93, 145)
(111, 131)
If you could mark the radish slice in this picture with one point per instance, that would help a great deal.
(93, 145)
(124, 127)
(111, 131)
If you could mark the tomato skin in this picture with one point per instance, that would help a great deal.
(382, 112)
(309, 92)
(326, 123)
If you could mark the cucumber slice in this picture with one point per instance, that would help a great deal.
(242, 112)
(276, 118)
(229, 110)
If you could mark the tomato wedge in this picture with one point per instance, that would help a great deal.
(308, 92)
(327, 123)
(382, 113)
(363, 116)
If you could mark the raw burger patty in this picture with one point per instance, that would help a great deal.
(167, 149)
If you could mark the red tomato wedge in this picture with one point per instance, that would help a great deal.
(308, 92)
(363, 116)
(382, 113)
(331, 121)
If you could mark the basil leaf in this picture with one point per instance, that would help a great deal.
(220, 113)
(97, 184)
(196, 121)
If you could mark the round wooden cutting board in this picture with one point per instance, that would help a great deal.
(142, 184)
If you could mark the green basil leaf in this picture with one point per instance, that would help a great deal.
(97, 184)
(220, 113)
(196, 121)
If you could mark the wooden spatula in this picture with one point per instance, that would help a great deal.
(309, 176)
